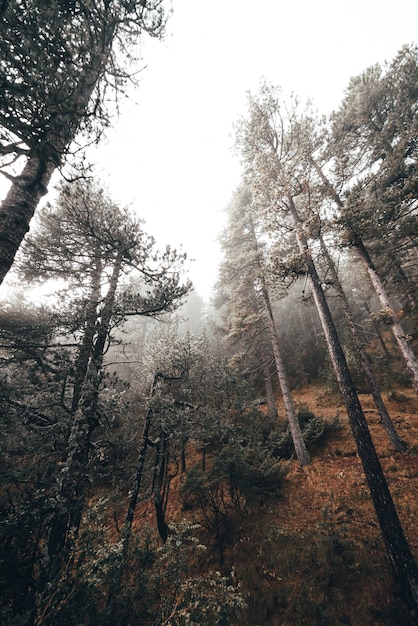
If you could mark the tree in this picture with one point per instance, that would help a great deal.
(252, 300)
(354, 238)
(116, 579)
(374, 182)
(377, 397)
(189, 398)
(272, 142)
(59, 59)
(34, 367)
(92, 243)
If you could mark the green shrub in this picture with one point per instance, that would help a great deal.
(315, 429)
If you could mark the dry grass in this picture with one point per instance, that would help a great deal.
(316, 556)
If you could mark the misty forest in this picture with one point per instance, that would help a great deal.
(171, 461)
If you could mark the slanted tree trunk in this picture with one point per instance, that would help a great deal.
(18, 208)
(404, 568)
(70, 489)
(184, 441)
(394, 438)
(133, 499)
(271, 402)
(295, 430)
(161, 484)
(86, 347)
(397, 330)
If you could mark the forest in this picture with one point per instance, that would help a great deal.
(171, 461)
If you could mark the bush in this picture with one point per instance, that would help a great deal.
(314, 429)
(239, 477)
(191, 599)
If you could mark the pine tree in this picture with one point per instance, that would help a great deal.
(250, 299)
(91, 243)
(59, 60)
(273, 146)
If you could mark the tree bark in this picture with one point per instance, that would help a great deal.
(161, 484)
(397, 330)
(295, 430)
(88, 335)
(271, 402)
(133, 499)
(404, 568)
(69, 493)
(300, 447)
(394, 438)
(18, 208)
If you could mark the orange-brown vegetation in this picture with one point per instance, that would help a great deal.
(315, 555)
(312, 555)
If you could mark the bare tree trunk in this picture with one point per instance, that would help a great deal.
(88, 335)
(184, 441)
(398, 332)
(133, 499)
(295, 430)
(300, 447)
(160, 484)
(404, 568)
(70, 489)
(378, 400)
(271, 402)
(18, 208)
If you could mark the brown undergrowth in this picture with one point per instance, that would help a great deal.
(316, 556)
(313, 554)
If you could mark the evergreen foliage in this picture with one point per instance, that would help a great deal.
(151, 483)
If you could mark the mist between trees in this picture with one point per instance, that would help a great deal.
(140, 426)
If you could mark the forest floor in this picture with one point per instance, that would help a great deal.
(330, 500)
(315, 555)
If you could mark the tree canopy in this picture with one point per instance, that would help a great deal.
(59, 60)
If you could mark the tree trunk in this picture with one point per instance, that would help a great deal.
(133, 499)
(88, 335)
(160, 484)
(271, 402)
(378, 400)
(300, 447)
(18, 208)
(295, 430)
(184, 441)
(70, 489)
(404, 568)
(398, 332)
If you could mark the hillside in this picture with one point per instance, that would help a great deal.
(312, 555)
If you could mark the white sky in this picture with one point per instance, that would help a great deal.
(170, 155)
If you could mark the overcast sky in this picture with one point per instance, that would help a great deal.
(170, 154)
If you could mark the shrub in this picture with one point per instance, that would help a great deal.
(314, 428)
